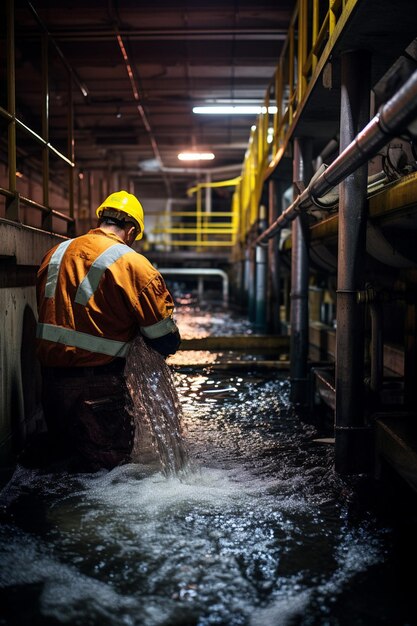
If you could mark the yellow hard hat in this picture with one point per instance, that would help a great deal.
(127, 204)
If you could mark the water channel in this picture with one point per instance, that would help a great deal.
(256, 529)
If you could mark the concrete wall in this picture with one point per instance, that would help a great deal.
(21, 250)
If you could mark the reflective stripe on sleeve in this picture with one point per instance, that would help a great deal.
(53, 268)
(74, 338)
(90, 282)
(164, 327)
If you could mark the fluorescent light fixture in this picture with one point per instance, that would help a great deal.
(196, 156)
(230, 109)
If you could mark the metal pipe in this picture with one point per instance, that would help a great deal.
(11, 97)
(208, 195)
(172, 34)
(274, 317)
(394, 116)
(351, 454)
(74, 75)
(46, 223)
(377, 353)
(226, 169)
(261, 269)
(299, 284)
(71, 150)
(410, 354)
(200, 272)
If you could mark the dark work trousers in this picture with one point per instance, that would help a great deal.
(89, 416)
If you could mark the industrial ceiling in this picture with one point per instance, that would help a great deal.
(138, 69)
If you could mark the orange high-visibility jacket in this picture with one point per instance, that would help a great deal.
(95, 294)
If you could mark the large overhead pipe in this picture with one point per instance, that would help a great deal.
(393, 117)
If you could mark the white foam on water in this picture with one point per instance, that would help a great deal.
(66, 594)
(212, 542)
(233, 538)
(284, 612)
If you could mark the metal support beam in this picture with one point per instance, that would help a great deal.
(12, 205)
(274, 286)
(299, 283)
(47, 216)
(351, 435)
(261, 269)
(251, 284)
(410, 355)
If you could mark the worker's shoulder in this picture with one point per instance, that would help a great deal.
(139, 262)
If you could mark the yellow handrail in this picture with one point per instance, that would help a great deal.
(203, 225)
(313, 29)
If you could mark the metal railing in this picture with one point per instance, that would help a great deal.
(202, 227)
(13, 198)
(313, 30)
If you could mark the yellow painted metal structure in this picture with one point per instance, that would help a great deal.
(315, 26)
(200, 228)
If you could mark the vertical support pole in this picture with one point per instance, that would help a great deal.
(351, 435)
(200, 289)
(12, 205)
(274, 317)
(46, 217)
(279, 88)
(80, 178)
(376, 349)
(315, 32)
(261, 257)
(207, 203)
(251, 285)
(198, 219)
(302, 49)
(71, 155)
(410, 356)
(291, 71)
(246, 278)
(299, 284)
(90, 186)
(239, 282)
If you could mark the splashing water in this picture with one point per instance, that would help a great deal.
(262, 533)
(157, 410)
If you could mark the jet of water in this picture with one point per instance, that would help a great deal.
(156, 408)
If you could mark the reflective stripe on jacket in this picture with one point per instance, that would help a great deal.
(94, 295)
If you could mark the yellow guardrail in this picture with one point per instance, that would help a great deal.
(314, 27)
(203, 227)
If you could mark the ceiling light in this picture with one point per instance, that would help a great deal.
(230, 109)
(196, 156)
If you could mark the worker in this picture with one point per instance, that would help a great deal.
(95, 295)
